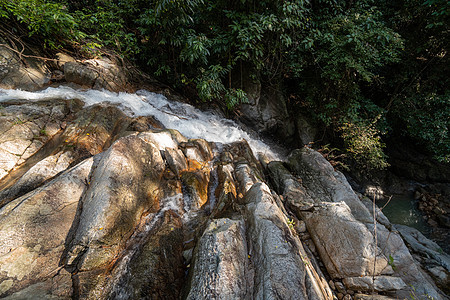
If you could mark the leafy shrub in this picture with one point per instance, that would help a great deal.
(46, 19)
(364, 144)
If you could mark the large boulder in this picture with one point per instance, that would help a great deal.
(280, 269)
(124, 185)
(221, 267)
(101, 73)
(19, 70)
(33, 232)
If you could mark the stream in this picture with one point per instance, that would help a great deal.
(189, 121)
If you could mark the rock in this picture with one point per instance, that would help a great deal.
(33, 231)
(340, 296)
(26, 127)
(331, 284)
(246, 177)
(221, 266)
(372, 297)
(62, 59)
(380, 284)
(156, 268)
(324, 183)
(125, 185)
(290, 187)
(101, 73)
(176, 160)
(417, 195)
(274, 249)
(327, 194)
(196, 185)
(266, 110)
(38, 174)
(161, 139)
(300, 226)
(347, 297)
(80, 74)
(440, 273)
(423, 246)
(340, 287)
(331, 196)
(20, 71)
(305, 131)
(225, 192)
(444, 220)
(348, 249)
(94, 129)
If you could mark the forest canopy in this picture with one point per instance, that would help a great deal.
(368, 70)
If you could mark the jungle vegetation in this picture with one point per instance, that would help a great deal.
(365, 69)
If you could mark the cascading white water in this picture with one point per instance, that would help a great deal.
(188, 120)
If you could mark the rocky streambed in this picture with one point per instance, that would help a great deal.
(105, 201)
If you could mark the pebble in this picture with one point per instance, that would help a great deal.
(340, 287)
(350, 292)
(347, 297)
(301, 226)
(432, 223)
(331, 284)
(340, 296)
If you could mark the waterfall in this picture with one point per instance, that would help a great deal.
(188, 120)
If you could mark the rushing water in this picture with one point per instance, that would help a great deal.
(189, 121)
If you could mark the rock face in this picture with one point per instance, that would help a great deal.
(96, 73)
(104, 206)
(27, 70)
(221, 264)
(20, 71)
(342, 227)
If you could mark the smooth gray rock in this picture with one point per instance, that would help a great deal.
(345, 245)
(102, 73)
(20, 71)
(420, 244)
(325, 184)
(372, 297)
(176, 160)
(25, 128)
(380, 284)
(33, 231)
(38, 174)
(124, 185)
(319, 182)
(280, 271)
(221, 266)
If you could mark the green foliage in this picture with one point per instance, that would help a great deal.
(364, 144)
(391, 262)
(428, 120)
(106, 22)
(43, 18)
(419, 103)
(291, 223)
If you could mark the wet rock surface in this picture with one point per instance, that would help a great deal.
(106, 206)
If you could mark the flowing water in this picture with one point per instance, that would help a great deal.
(189, 121)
